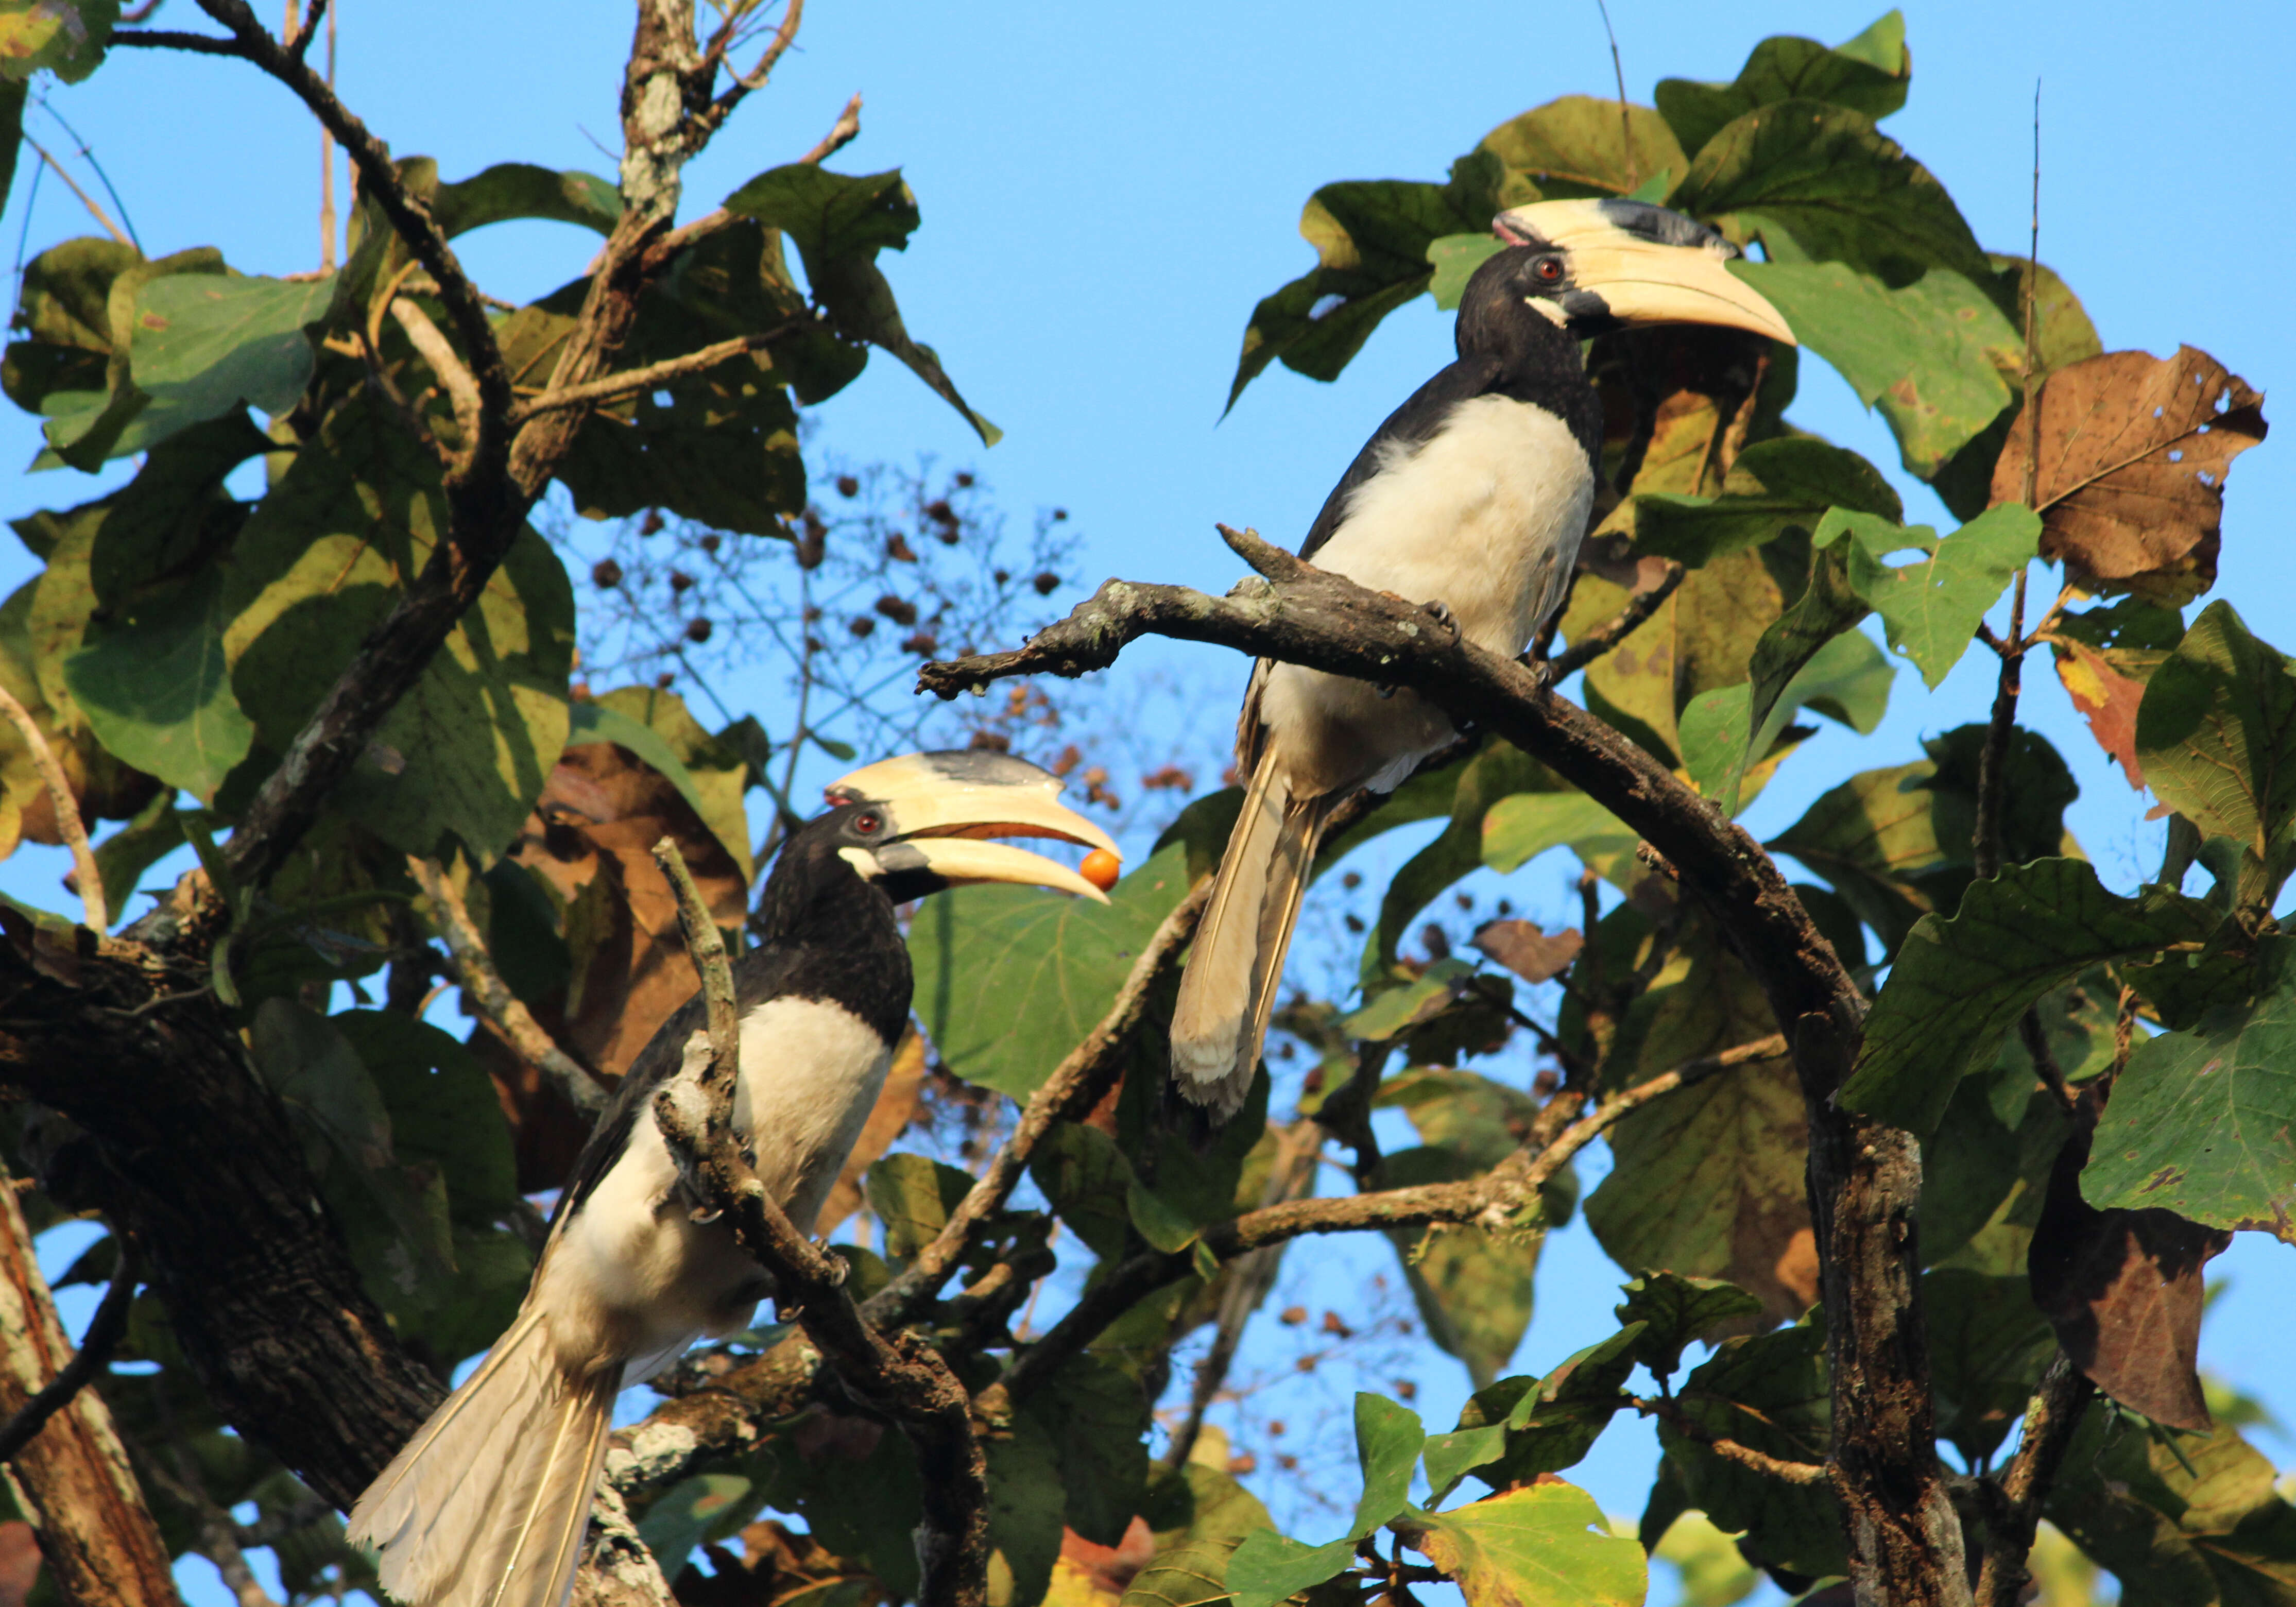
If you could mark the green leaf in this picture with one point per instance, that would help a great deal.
(1097, 1416)
(1451, 1457)
(1553, 1422)
(685, 1513)
(913, 1196)
(321, 562)
(1959, 984)
(443, 1110)
(839, 222)
(1472, 1115)
(1519, 828)
(1164, 1227)
(1454, 258)
(1389, 1438)
(1583, 145)
(1674, 1310)
(1025, 1501)
(1543, 1543)
(1052, 963)
(1773, 486)
(66, 37)
(1713, 1573)
(1088, 1180)
(1848, 677)
(156, 690)
(2200, 1122)
(1931, 610)
(1769, 1393)
(1868, 75)
(1497, 772)
(660, 731)
(512, 190)
(205, 343)
(1988, 1344)
(2217, 736)
(1198, 1515)
(1268, 1568)
(1838, 189)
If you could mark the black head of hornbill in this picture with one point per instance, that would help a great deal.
(486, 1506)
(1475, 494)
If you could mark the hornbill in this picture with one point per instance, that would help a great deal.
(1473, 496)
(487, 1504)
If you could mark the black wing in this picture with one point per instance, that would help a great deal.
(758, 974)
(1417, 420)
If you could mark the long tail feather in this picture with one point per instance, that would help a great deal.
(486, 1505)
(1228, 990)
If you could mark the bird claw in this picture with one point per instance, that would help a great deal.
(839, 1268)
(1443, 617)
(1383, 692)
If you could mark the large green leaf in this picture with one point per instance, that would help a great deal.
(2203, 1123)
(1543, 1543)
(1097, 1416)
(1551, 1422)
(1025, 1502)
(74, 369)
(1198, 1515)
(839, 222)
(1835, 188)
(1674, 1310)
(1498, 772)
(1519, 828)
(322, 561)
(1868, 74)
(2183, 1520)
(1583, 144)
(207, 342)
(1931, 609)
(1848, 677)
(2217, 736)
(1773, 486)
(1932, 354)
(1959, 984)
(1769, 1393)
(156, 690)
(443, 1109)
(1010, 978)
(1267, 1567)
(913, 1196)
(512, 190)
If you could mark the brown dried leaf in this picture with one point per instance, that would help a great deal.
(1088, 1575)
(888, 1120)
(1525, 950)
(591, 837)
(2107, 699)
(2123, 1290)
(2134, 453)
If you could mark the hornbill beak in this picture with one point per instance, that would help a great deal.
(941, 810)
(1627, 262)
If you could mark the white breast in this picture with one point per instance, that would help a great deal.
(632, 1276)
(1485, 517)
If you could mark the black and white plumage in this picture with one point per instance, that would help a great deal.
(1475, 494)
(486, 1506)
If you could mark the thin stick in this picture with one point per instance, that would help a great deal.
(327, 149)
(841, 132)
(1626, 122)
(486, 989)
(630, 381)
(67, 807)
(85, 200)
(1629, 619)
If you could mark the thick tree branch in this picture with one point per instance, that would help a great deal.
(486, 990)
(1078, 1084)
(899, 1373)
(1864, 1179)
(95, 1533)
(68, 824)
(2052, 1417)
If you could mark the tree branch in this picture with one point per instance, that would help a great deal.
(105, 1330)
(1864, 1179)
(631, 382)
(2052, 1417)
(1619, 626)
(493, 996)
(899, 1373)
(68, 824)
(1076, 1086)
(1732, 1450)
(841, 132)
(462, 388)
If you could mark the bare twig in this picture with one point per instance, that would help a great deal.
(1076, 1086)
(1732, 1450)
(1626, 120)
(105, 1330)
(631, 382)
(1618, 626)
(462, 389)
(2036, 1040)
(722, 108)
(67, 807)
(2051, 1418)
(843, 133)
(899, 1373)
(85, 200)
(505, 1010)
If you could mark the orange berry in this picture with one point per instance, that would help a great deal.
(1102, 868)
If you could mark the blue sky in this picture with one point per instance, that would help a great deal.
(1107, 190)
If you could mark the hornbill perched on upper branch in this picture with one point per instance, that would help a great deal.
(1471, 497)
(486, 1506)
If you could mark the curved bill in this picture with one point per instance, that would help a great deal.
(1642, 264)
(941, 810)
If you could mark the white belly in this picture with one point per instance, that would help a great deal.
(1486, 518)
(631, 1277)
